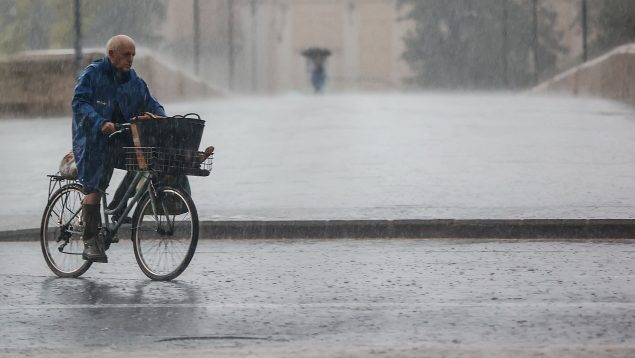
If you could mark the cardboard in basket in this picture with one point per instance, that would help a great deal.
(141, 160)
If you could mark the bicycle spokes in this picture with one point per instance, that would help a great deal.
(62, 230)
(165, 233)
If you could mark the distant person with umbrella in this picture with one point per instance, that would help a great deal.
(317, 59)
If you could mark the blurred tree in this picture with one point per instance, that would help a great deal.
(23, 25)
(44, 24)
(61, 33)
(140, 19)
(10, 39)
(461, 43)
(614, 22)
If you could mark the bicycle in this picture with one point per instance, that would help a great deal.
(165, 223)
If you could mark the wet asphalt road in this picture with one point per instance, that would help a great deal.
(330, 298)
(377, 157)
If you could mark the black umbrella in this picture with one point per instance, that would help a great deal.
(316, 53)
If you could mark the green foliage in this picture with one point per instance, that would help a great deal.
(16, 24)
(44, 24)
(469, 44)
(140, 19)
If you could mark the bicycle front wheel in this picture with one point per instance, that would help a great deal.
(165, 233)
(61, 232)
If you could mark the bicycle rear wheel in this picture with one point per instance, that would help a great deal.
(61, 232)
(165, 234)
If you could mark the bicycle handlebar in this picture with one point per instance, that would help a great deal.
(119, 128)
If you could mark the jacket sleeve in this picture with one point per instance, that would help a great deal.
(83, 107)
(152, 105)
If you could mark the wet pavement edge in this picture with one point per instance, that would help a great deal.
(441, 228)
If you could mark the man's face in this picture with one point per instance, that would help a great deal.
(121, 58)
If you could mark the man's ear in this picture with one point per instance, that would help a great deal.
(111, 53)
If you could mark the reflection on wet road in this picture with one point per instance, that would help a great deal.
(275, 297)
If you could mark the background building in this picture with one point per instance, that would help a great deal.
(256, 45)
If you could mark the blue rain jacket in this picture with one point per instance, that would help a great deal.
(97, 92)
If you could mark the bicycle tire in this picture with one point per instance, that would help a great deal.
(156, 233)
(69, 262)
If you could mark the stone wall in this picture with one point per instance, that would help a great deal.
(41, 83)
(610, 76)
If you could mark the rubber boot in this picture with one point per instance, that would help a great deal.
(93, 242)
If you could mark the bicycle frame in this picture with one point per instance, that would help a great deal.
(145, 179)
(149, 195)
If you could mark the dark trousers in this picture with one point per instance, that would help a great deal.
(117, 159)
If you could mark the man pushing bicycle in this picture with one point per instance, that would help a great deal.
(108, 92)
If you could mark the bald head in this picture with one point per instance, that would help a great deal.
(121, 52)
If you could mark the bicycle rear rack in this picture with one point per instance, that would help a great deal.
(56, 182)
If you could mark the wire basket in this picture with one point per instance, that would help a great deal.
(173, 161)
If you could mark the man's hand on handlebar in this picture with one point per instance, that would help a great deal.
(120, 128)
(146, 115)
(108, 128)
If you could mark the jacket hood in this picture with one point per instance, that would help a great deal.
(106, 65)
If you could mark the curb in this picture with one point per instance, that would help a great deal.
(20, 235)
(374, 229)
